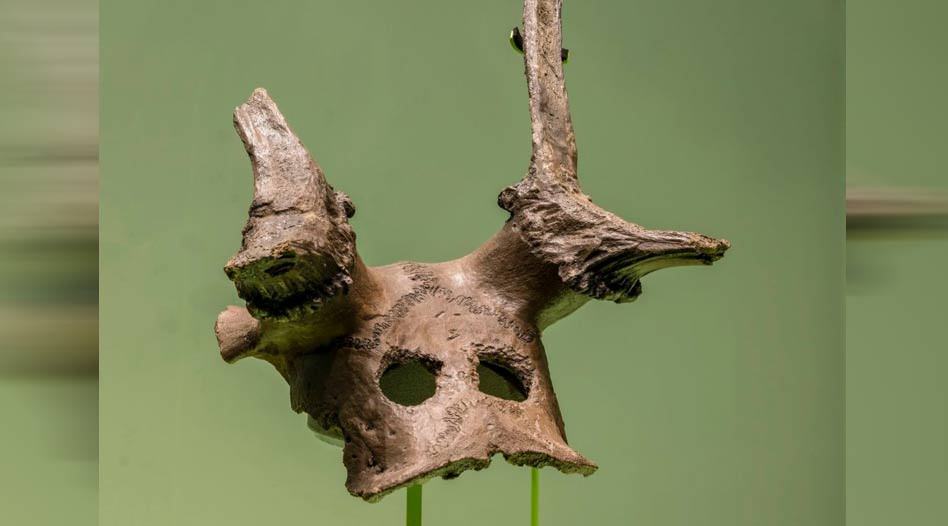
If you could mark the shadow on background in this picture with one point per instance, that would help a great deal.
(48, 261)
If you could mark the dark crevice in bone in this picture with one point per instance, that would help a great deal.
(498, 380)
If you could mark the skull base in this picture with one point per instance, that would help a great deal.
(388, 444)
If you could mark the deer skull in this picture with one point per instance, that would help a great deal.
(425, 370)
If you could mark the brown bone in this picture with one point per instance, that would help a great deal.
(335, 329)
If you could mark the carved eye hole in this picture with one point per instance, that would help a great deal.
(497, 379)
(410, 381)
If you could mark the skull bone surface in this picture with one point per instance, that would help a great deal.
(435, 382)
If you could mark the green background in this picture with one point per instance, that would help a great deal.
(897, 355)
(716, 399)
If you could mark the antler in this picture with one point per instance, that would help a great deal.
(593, 252)
(298, 260)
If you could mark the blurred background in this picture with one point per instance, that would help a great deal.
(897, 293)
(48, 261)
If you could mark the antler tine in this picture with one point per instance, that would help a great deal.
(298, 258)
(554, 143)
(593, 252)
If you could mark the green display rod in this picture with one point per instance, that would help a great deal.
(534, 497)
(413, 502)
(413, 506)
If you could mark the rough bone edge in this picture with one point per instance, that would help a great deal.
(595, 252)
(453, 469)
(298, 249)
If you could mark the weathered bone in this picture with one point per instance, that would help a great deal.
(596, 253)
(339, 332)
(298, 248)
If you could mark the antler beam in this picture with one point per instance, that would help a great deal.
(297, 267)
(298, 248)
(595, 252)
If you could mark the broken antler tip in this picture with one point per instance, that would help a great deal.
(258, 96)
(237, 333)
